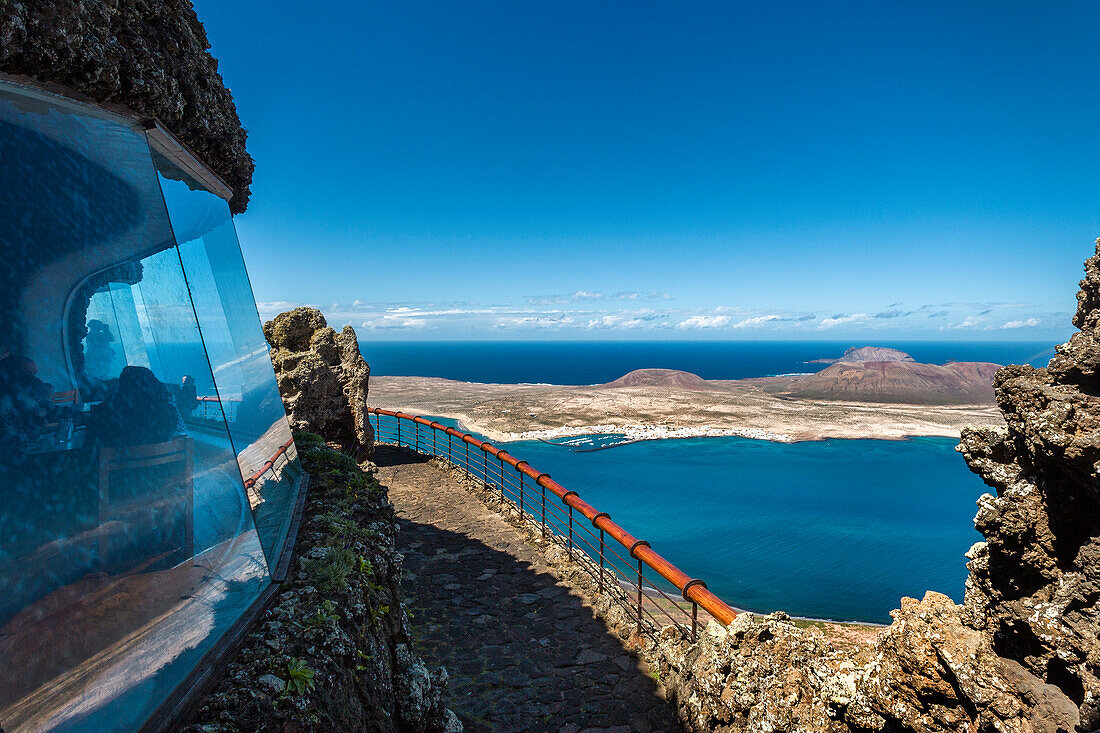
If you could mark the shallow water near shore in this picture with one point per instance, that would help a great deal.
(836, 529)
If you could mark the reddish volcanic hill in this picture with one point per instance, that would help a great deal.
(963, 382)
(660, 378)
(867, 353)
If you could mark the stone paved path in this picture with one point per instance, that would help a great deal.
(523, 651)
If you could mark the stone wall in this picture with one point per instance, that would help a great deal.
(322, 377)
(145, 58)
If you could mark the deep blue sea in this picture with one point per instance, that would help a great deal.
(837, 529)
(595, 362)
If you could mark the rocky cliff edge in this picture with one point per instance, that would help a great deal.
(1021, 654)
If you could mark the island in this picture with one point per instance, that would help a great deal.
(893, 399)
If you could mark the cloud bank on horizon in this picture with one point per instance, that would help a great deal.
(586, 314)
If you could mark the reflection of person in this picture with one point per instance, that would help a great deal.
(139, 412)
(188, 396)
(24, 401)
(99, 356)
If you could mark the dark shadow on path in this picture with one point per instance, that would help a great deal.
(388, 455)
(523, 654)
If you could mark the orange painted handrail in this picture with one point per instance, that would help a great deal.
(692, 589)
(251, 480)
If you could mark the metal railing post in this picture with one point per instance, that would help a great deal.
(694, 621)
(601, 561)
(501, 479)
(435, 450)
(450, 455)
(570, 531)
(639, 596)
(543, 511)
(416, 429)
(398, 421)
(467, 464)
(520, 493)
(485, 467)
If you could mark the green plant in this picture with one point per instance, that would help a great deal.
(303, 439)
(299, 677)
(377, 613)
(324, 615)
(328, 458)
(330, 573)
(339, 526)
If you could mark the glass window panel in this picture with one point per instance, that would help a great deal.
(126, 542)
(244, 378)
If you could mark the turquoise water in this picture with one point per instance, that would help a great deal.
(836, 529)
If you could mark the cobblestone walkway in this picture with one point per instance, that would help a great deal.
(523, 651)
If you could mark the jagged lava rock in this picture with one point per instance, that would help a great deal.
(1035, 582)
(1020, 655)
(323, 379)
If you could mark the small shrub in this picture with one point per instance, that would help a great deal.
(330, 573)
(340, 527)
(299, 677)
(308, 440)
(326, 614)
(328, 458)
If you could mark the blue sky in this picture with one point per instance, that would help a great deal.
(678, 170)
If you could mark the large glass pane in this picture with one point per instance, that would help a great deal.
(126, 542)
(243, 376)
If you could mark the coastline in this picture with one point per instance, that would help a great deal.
(511, 412)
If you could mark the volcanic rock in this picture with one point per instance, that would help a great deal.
(908, 382)
(859, 354)
(322, 378)
(660, 378)
(1020, 655)
(144, 58)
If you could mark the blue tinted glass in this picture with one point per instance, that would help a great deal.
(126, 542)
(244, 380)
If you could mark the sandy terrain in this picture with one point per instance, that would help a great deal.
(743, 407)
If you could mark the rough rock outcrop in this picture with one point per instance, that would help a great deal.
(145, 58)
(1034, 583)
(1021, 654)
(322, 378)
(333, 652)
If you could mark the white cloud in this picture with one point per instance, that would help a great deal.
(544, 322)
(700, 322)
(626, 321)
(840, 320)
(756, 321)
(1022, 324)
(386, 323)
(968, 323)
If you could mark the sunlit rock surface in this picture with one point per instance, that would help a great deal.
(322, 378)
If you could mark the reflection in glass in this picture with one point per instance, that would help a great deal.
(127, 544)
(244, 380)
